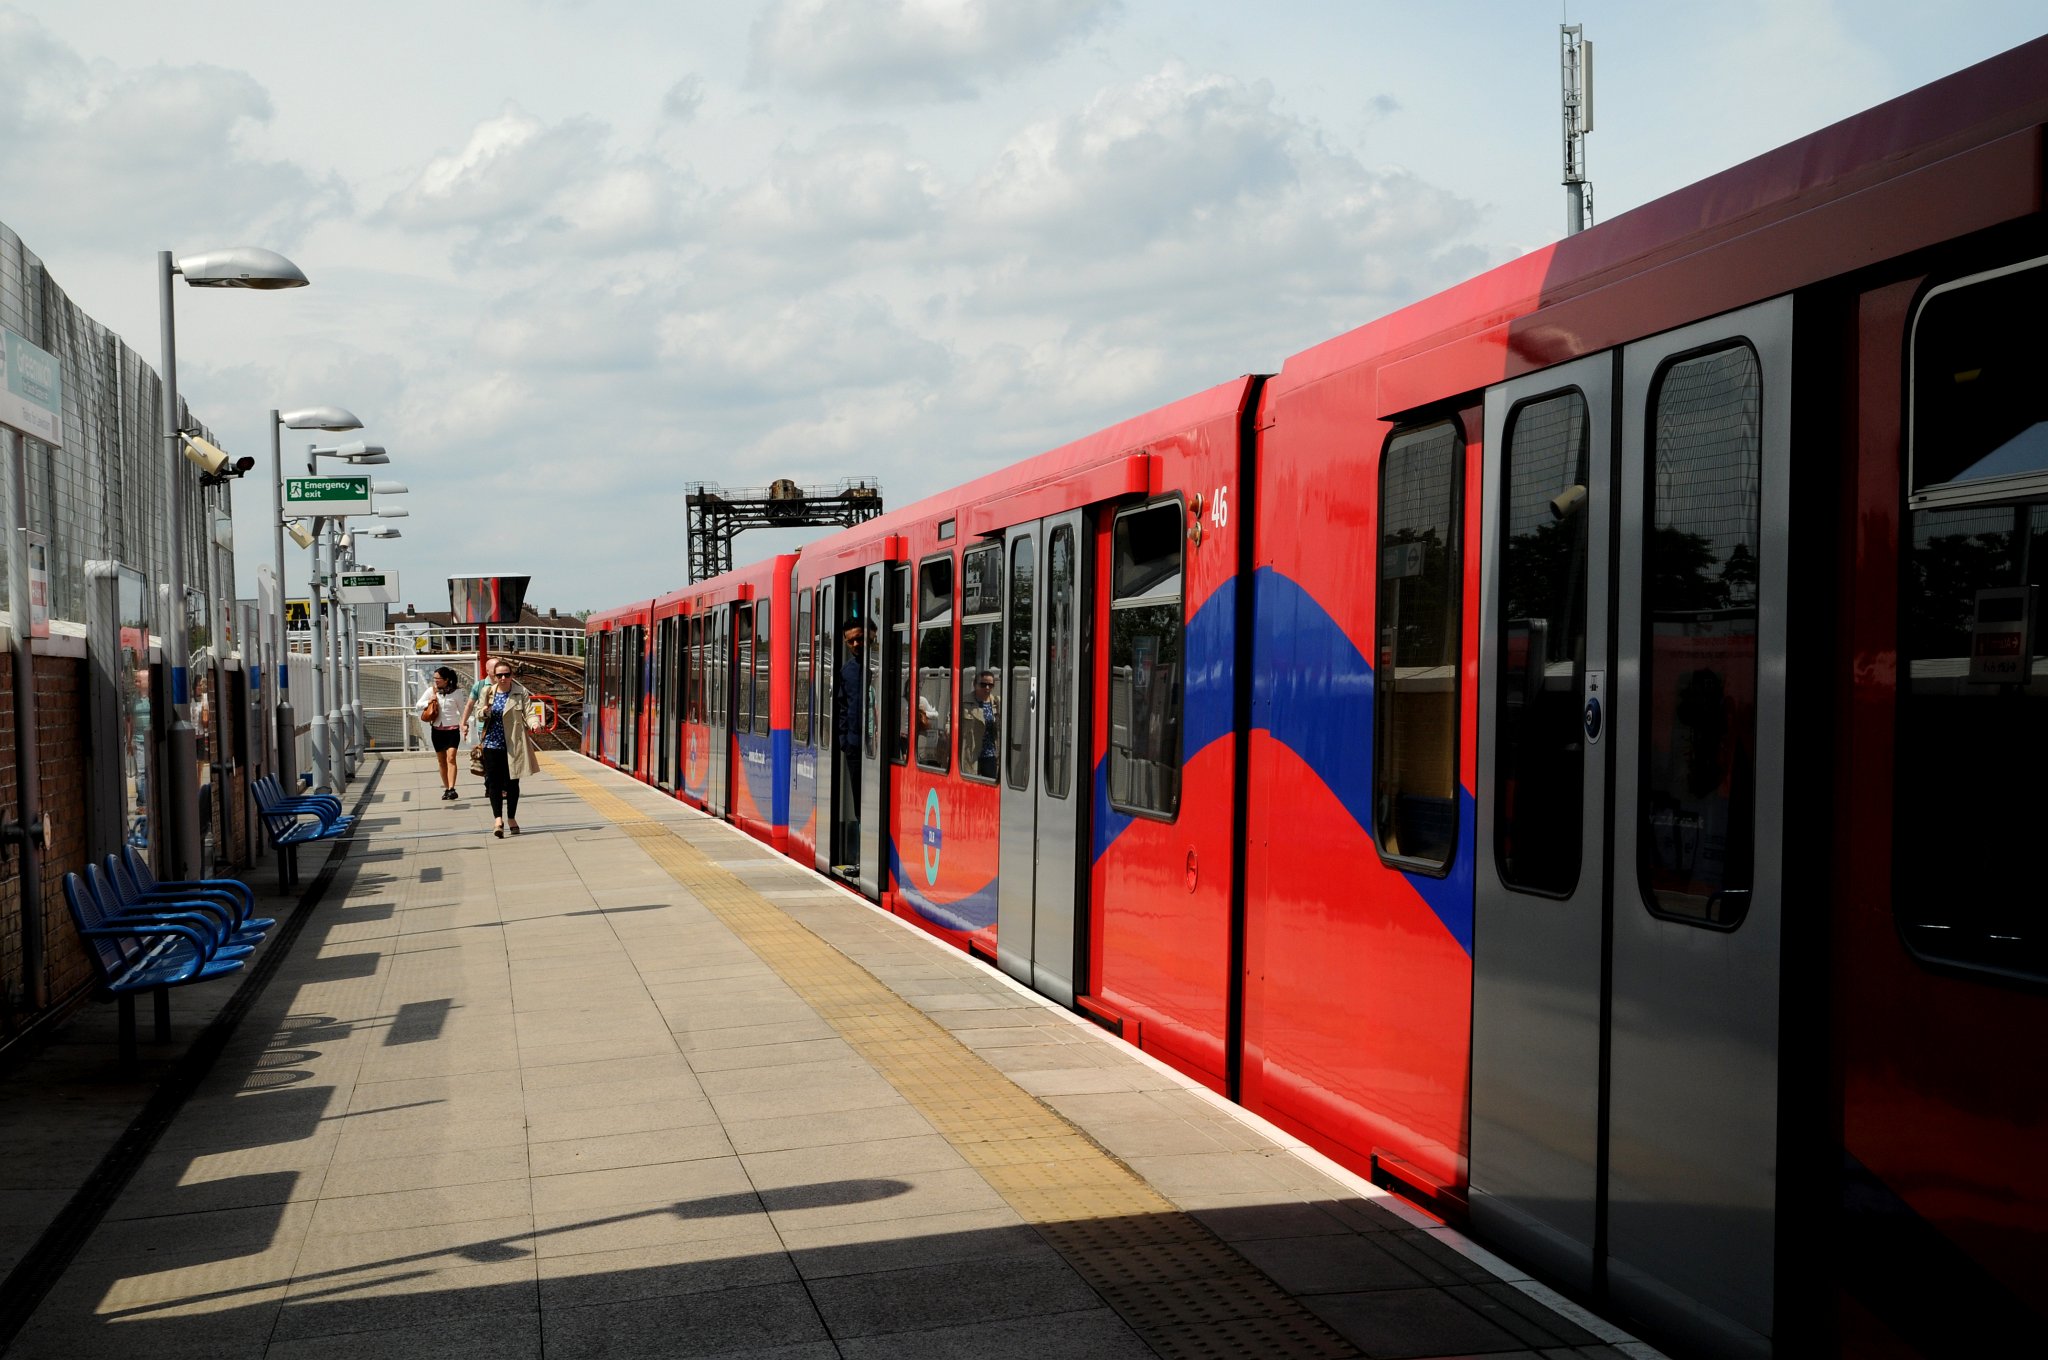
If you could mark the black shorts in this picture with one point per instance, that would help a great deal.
(447, 738)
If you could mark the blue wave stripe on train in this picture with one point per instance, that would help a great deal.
(1312, 691)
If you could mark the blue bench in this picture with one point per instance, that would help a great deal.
(120, 895)
(289, 823)
(145, 952)
(147, 884)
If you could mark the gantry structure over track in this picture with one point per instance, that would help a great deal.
(718, 516)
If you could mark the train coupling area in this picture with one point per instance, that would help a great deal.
(630, 1084)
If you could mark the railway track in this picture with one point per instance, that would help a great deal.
(561, 679)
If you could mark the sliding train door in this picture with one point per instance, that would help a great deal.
(1628, 905)
(718, 710)
(1540, 899)
(874, 757)
(825, 777)
(1038, 915)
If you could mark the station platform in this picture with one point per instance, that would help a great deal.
(629, 1084)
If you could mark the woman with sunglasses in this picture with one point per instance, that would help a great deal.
(508, 749)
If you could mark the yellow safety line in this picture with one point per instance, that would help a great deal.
(1175, 1282)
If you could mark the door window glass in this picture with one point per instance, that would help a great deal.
(871, 704)
(743, 639)
(981, 662)
(1023, 570)
(1145, 660)
(763, 653)
(1697, 816)
(1415, 677)
(899, 638)
(1061, 634)
(1977, 408)
(1539, 755)
(801, 694)
(935, 664)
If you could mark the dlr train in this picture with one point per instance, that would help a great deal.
(1569, 749)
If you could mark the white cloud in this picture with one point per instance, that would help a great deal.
(519, 184)
(124, 158)
(794, 349)
(857, 184)
(912, 51)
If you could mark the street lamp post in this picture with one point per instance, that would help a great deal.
(327, 754)
(310, 418)
(239, 267)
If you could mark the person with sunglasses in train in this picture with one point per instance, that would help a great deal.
(507, 744)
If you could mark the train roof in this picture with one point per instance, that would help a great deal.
(1991, 112)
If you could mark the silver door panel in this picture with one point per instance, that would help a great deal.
(1017, 865)
(1693, 1119)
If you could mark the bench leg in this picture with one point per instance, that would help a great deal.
(125, 1005)
(163, 1014)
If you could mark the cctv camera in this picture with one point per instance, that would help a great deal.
(1568, 502)
(211, 460)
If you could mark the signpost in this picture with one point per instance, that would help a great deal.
(327, 495)
(369, 587)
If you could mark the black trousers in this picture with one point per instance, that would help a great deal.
(500, 785)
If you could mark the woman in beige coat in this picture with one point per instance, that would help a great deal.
(508, 749)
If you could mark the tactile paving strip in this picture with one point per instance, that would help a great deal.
(1179, 1286)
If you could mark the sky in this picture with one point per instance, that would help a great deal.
(568, 256)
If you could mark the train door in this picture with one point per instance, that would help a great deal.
(718, 710)
(874, 758)
(1540, 903)
(632, 694)
(1660, 1184)
(824, 708)
(1038, 915)
(662, 766)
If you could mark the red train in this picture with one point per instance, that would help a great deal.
(1567, 748)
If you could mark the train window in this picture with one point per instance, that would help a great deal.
(1018, 692)
(1973, 697)
(981, 664)
(1415, 681)
(1696, 804)
(1145, 660)
(899, 639)
(1979, 425)
(743, 650)
(764, 653)
(800, 724)
(1062, 570)
(694, 705)
(1539, 794)
(935, 664)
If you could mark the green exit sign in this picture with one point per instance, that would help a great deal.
(328, 495)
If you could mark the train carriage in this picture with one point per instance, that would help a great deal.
(1568, 748)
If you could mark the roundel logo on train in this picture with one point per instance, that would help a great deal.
(934, 837)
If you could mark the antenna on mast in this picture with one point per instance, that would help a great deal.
(1577, 62)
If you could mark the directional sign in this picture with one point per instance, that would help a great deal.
(369, 587)
(31, 390)
(328, 495)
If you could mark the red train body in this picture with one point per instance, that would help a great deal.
(1567, 749)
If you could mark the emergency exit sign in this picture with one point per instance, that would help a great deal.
(328, 495)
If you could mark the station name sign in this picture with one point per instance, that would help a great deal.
(328, 495)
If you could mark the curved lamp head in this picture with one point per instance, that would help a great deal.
(383, 531)
(390, 512)
(390, 488)
(320, 418)
(240, 267)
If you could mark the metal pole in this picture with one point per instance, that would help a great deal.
(317, 616)
(182, 791)
(27, 764)
(287, 723)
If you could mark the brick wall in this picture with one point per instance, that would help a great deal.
(60, 741)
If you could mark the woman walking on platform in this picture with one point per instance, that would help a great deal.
(508, 749)
(437, 711)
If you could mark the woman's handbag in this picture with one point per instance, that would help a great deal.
(432, 712)
(476, 761)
